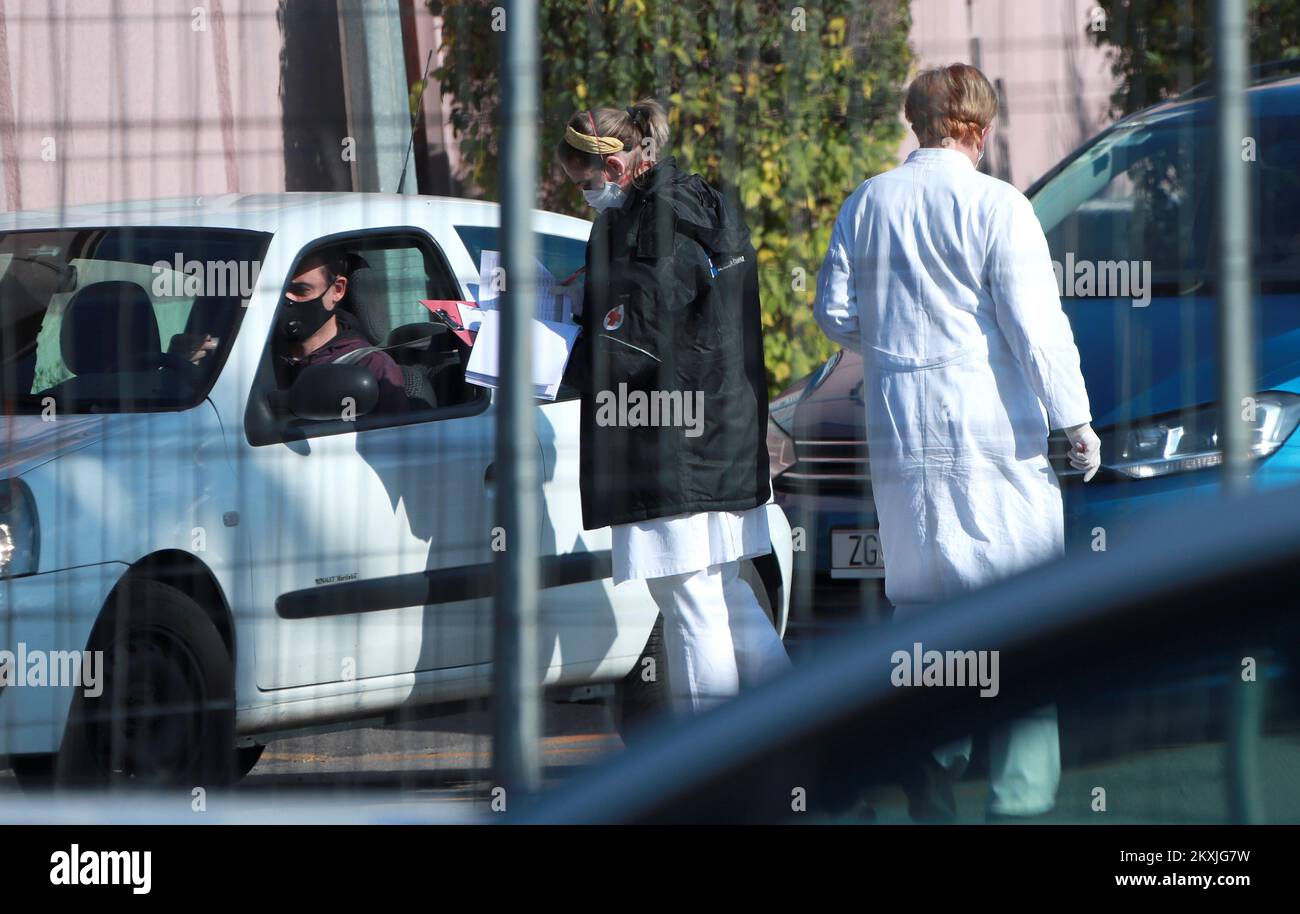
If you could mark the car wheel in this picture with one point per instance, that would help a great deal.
(750, 574)
(33, 772)
(642, 700)
(165, 715)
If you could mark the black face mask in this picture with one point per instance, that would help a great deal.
(298, 320)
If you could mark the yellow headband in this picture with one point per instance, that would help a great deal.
(597, 145)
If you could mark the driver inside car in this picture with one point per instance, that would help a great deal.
(310, 331)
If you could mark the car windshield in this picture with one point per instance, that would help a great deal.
(560, 255)
(1142, 192)
(120, 319)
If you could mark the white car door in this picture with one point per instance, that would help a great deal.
(374, 542)
(587, 625)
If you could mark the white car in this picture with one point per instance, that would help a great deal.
(250, 564)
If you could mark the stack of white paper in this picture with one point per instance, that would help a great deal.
(490, 275)
(554, 301)
(552, 344)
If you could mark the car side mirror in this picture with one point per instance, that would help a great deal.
(324, 392)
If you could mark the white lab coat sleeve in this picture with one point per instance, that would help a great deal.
(1027, 303)
(836, 305)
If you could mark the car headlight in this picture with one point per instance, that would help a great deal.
(781, 410)
(825, 371)
(780, 448)
(19, 532)
(780, 417)
(1177, 442)
(780, 420)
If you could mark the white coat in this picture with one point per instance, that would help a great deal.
(940, 277)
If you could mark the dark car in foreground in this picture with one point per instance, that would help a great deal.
(1107, 637)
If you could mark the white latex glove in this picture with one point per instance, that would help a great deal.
(1085, 450)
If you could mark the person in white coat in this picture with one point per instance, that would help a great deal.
(940, 276)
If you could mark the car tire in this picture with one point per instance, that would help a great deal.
(750, 574)
(642, 702)
(35, 772)
(165, 714)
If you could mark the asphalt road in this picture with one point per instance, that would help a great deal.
(436, 769)
(450, 755)
(445, 763)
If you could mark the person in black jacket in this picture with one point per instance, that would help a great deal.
(674, 406)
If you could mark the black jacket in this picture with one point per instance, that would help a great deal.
(670, 320)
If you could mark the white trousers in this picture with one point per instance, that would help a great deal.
(1024, 758)
(716, 636)
(1024, 764)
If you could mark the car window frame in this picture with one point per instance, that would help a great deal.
(262, 240)
(263, 426)
(1271, 276)
(566, 393)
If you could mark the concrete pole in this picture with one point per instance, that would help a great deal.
(377, 94)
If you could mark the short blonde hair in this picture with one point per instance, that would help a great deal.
(954, 101)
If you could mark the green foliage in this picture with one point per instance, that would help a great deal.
(788, 107)
(1160, 48)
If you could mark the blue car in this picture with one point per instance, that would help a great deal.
(1130, 220)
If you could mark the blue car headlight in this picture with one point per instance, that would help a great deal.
(1177, 442)
(19, 532)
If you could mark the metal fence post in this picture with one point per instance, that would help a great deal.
(517, 723)
(1236, 353)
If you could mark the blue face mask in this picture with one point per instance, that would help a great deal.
(608, 197)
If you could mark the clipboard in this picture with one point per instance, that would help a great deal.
(445, 309)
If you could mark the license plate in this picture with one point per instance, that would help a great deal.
(856, 554)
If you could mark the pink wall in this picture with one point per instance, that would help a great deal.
(140, 98)
(1056, 83)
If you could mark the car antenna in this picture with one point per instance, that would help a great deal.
(419, 112)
